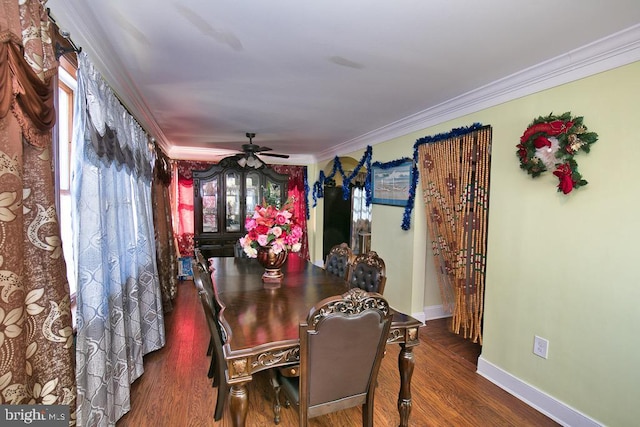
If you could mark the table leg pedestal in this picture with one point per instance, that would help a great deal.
(238, 404)
(405, 366)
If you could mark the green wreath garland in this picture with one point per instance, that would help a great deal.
(550, 143)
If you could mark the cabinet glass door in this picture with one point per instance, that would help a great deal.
(273, 193)
(252, 186)
(232, 202)
(210, 206)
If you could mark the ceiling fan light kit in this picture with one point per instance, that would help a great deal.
(250, 161)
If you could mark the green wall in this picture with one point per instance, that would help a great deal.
(561, 267)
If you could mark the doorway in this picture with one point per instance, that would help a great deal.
(337, 219)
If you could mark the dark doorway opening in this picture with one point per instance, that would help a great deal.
(337, 219)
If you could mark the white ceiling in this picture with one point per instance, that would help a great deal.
(317, 79)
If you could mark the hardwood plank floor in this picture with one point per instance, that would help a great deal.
(174, 391)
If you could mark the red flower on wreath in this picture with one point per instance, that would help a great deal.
(550, 143)
(564, 172)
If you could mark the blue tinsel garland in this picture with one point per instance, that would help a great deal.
(391, 164)
(406, 219)
(306, 193)
(366, 158)
(346, 180)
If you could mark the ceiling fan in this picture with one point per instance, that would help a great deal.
(250, 153)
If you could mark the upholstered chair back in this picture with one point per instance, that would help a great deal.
(342, 343)
(338, 260)
(368, 272)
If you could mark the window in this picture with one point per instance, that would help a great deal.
(62, 156)
(360, 221)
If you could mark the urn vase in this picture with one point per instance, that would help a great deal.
(272, 263)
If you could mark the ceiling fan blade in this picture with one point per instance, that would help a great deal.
(251, 148)
(262, 149)
(282, 156)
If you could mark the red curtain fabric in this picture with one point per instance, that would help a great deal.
(186, 168)
(184, 233)
(184, 228)
(296, 192)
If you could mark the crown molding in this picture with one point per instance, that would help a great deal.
(613, 51)
(86, 33)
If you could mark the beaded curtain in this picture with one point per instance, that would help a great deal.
(455, 180)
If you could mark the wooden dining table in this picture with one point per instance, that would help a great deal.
(261, 323)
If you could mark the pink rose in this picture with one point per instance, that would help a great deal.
(250, 224)
(296, 231)
(278, 246)
(276, 231)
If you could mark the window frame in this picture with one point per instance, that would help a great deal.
(65, 82)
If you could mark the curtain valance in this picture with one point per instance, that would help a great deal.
(119, 136)
(36, 114)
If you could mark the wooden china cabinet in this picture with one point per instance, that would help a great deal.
(224, 195)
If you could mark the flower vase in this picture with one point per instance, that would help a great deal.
(272, 263)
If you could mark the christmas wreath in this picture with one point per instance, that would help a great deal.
(550, 143)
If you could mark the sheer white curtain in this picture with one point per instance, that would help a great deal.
(119, 301)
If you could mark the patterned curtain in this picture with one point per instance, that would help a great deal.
(455, 179)
(119, 314)
(36, 335)
(166, 255)
(296, 192)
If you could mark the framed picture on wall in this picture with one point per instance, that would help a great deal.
(390, 185)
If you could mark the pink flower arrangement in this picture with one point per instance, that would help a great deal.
(271, 227)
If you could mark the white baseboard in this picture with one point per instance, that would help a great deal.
(434, 312)
(544, 403)
(420, 316)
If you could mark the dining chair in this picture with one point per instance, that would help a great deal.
(217, 367)
(338, 260)
(238, 251)
(203, 283)
(368, 272)
(337, 263)
(342, 343)
(198, 281)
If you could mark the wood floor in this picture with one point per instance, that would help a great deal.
(174, 391)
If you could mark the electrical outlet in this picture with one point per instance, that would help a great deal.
(541, 347)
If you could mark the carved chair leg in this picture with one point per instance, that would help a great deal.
(276, 401)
